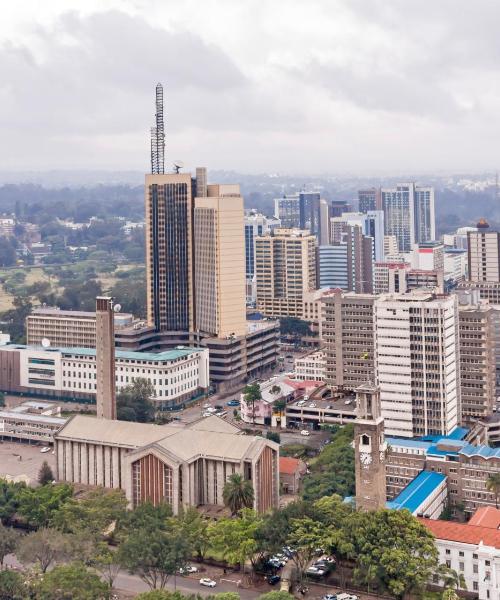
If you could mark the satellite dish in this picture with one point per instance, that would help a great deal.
(178, 165)
(117, 307)
(45, 342)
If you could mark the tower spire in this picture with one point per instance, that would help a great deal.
(158, 136)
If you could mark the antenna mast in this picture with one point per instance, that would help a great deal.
(158, 136)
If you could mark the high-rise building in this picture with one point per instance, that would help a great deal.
(338, 207)
(285, 265)
(256, 224)
(309, 211)
(219, 270)
(484, 254)
(409, 214)
(169, 251)
(347, 331)
(369, 199)
(390, 246)
(371, 224)
(287, 210)
(477, 356)
(105, 359)
(348, 262)
(417, 363)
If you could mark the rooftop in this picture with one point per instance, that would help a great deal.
(417, 491)
(29, 417)
(289, 465)
(486, 516)
(80, 314)
(463, 532)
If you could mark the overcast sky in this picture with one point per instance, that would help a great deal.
(308, 86)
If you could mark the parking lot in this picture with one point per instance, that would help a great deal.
(23, 460)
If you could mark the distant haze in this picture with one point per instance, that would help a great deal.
(317, 86)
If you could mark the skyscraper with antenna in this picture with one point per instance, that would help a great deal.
(158, 136)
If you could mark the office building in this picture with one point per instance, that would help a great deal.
(338, 207)
(348, 262)
(409, 214)
(256, 224)
(219, 269)
(428, 256)
(416, 350)
(390, 246)
(371, 224)
(285, 265)
(287, 211)
(311, 367)
(31, 421)
(454, 265)
(169, 251)
(426, 280)
(390, 277)
(348, 335)
(70, 328)
(70, 374)
(369, 199)
(484, 254)
(309, 212)
(458, 239)
(477, 357)
(181, 466)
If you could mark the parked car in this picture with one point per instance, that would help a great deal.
(329, 597)
(233, 403)
(218, 407)
(207, 582)
(305, 432)
(45, 449)
(188, 569)
(316, 571)
(273, 579)
(345, 596)
(312, 405)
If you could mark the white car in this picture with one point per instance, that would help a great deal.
(312, 405)
(207, 582)
(45, 449)
(188, 569)
(305, 432)
(345, 596)
(207, 405)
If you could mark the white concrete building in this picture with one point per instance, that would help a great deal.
(311, 367)
(176, 375)
(417, 366)
(455, 264)
(31, 421)
(428, 256)
(472, 551)
(390, 277)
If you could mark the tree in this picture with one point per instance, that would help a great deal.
(195, 528)
(154, 547)
(238, 493)
(45, 474)
(9, 499)
(450, 594)
(333, 470)
(39, 505)
(235, 538)
(8, 542)
(274, 436)
(305, 537)
(276, 595)
(7, 252)
(45, 547)
(493, 486)
(392, 550)
(15, 319)
(73, 581)
(165, 595)
(451, 578)
(95, 514)
(134, 402)
(294, 328)
(251, 395)
(107, 562)
(12, 586)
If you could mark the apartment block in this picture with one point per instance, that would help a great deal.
(416, 350)
(285, 264)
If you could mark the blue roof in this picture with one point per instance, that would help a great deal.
(458, 433)
(408, 443)
(483, 451)
(417, 491)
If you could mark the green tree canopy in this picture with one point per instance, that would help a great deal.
(8, 542)
(45, 474)
(45, 547)
(9, 499)
(235, 539)
(276, 595)
(134, 402)
(73, 581)
(12, 586)
(39, 505)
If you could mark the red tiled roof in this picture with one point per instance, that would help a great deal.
(486, 516)
(463, 532)
(289, 465)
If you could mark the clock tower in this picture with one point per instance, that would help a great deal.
(370, 449)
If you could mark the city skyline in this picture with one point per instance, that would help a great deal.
(315, 94)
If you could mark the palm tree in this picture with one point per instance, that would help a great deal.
(238, 493)
(493, 485)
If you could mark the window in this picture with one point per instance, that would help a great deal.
(475, 586)
(448, 551)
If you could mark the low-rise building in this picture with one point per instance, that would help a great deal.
(312, 366)
(182, 466)
(472, 551)
(291, 472)
(424, 496)
(263, 411)
(31, 421)
(177, 376)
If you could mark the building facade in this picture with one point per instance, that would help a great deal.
(416, 350)
(390, 277)
(285, 270)
(483, 254)
(182, 466)
(369, 199)
(287, 210)
(311, 367)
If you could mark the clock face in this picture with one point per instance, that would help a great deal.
(365, 458)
